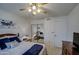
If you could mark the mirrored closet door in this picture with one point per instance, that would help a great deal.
(37, 33)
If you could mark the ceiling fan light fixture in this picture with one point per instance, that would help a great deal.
(29, 10)
(34, 13)
(38, 10)
(39, 5)
(34, 7)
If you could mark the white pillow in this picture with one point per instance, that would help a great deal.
(3, 37)
(12, 44)
(7, 37)
(10, 36)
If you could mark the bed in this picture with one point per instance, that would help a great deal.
(22, 48)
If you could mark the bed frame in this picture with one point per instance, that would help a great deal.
(7, 34)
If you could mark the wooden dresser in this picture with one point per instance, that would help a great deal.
(68, 48)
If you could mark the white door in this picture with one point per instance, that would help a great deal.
(33, 29)
(60, 33)
(55, 32)
(49, 32)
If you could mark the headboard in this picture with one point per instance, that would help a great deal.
(7, 34)
(3, 40)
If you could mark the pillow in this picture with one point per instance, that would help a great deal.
(15, 38)
(2, 46)
(12, 44)
(3, 40)
(10, 36)
(7, 40)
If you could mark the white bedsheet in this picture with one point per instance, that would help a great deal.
(19, 50)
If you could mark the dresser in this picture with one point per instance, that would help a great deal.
(68, 48)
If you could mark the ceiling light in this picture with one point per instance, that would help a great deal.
(29, 10)
(34, 13)
(34, 7)
(39, 10)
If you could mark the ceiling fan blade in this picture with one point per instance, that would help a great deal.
(22, 9)
(44, 10)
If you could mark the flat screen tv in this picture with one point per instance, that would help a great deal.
(76, 39)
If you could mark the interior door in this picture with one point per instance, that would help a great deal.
(60, 33)
(34, 29)
(55, 32)
(49, 32)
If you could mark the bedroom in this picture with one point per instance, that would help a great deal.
(56, 22)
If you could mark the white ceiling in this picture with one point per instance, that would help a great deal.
(53, 9)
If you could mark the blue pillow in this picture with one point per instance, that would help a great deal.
(14, 38)
(17, 39)
(3, 40)
(2, 46)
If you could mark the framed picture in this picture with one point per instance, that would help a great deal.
(6, 24)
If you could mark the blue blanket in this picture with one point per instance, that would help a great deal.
(34, 50)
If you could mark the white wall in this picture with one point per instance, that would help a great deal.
(73, 23)
(39, 21)
(22, 25)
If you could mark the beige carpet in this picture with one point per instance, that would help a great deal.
(50, 49)
(39, 41)
(54, 51)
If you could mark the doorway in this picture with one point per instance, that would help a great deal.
(37, 33)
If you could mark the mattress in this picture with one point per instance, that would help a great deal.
(21, 48)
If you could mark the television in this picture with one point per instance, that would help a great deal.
(76, 39)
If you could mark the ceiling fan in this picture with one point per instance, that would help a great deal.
(35, 8)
